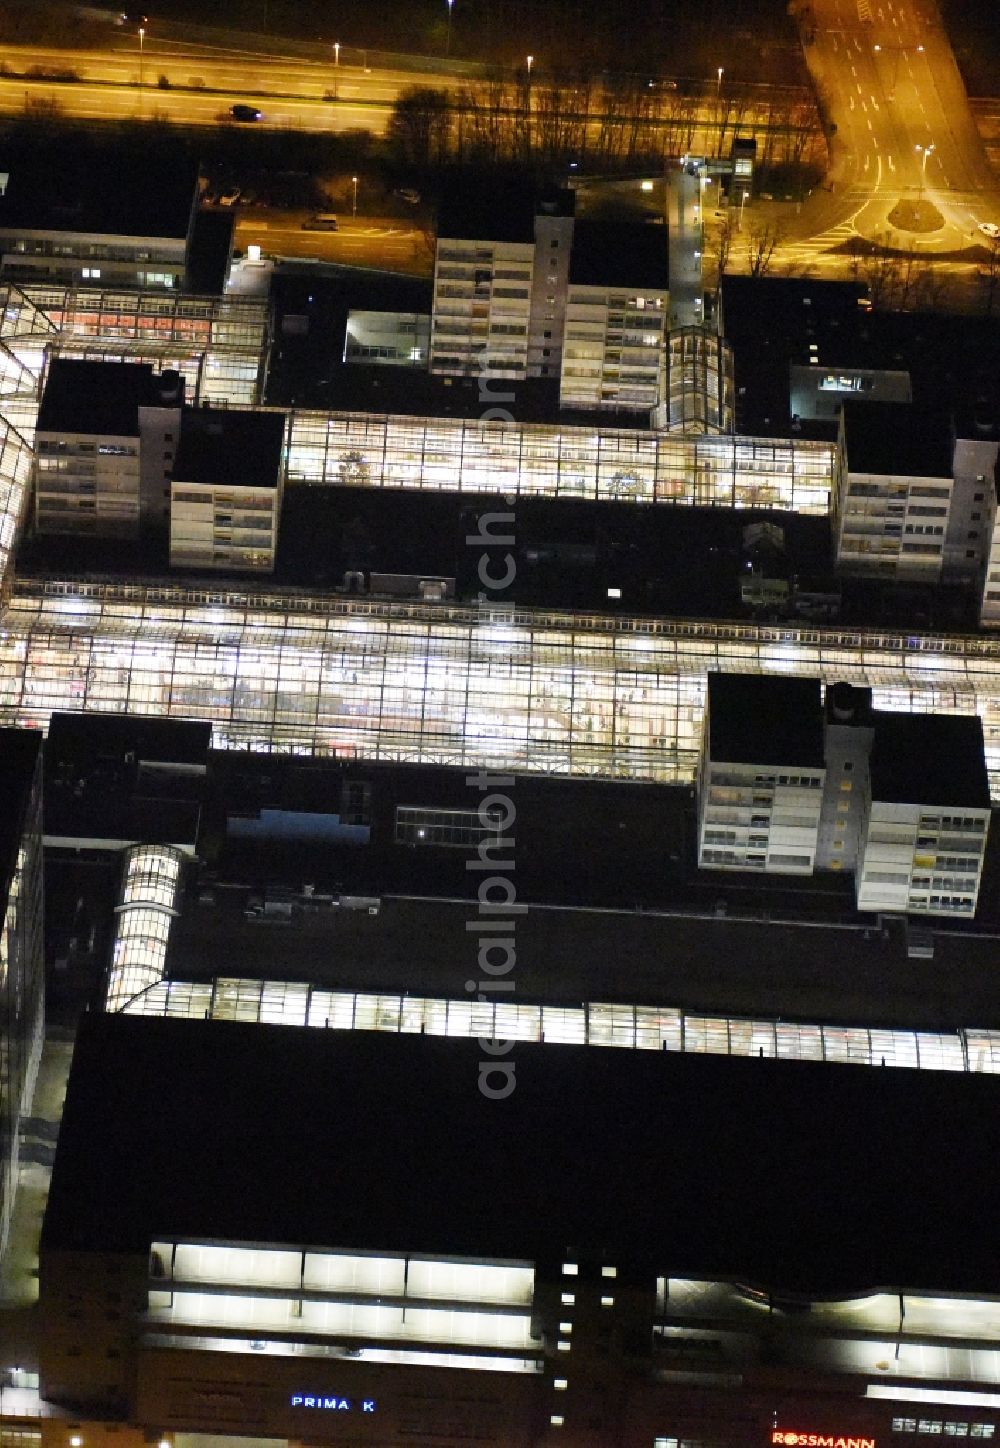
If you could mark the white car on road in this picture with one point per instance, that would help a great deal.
(990, 229)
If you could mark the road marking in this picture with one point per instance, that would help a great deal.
(865, 109)
(870, 126)
(851, 99)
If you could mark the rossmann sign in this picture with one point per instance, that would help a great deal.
(819, 1440)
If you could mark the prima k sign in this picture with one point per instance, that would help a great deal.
(332, 1403)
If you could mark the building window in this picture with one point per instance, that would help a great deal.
(461, 829)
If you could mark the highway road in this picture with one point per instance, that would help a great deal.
(906, 156)
(288, 92)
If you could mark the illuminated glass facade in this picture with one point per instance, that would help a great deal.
(22, 952)
(434, 1305)
(629, 1027)
(150, 886)
(524, 690)
(550, 461)
(218, 344)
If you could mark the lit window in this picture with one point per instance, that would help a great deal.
(564, 1344)
(566, 1327)
(570, 1269)
(561, 1384)
(609, 1271)
(568, 1299)
(557, 1420)
(607, 1302)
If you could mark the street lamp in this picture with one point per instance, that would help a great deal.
(142, 37)
(354, 206)
(718, 86)
(923, 164)
(450, 7)
(531, 61)
(336, 52)
(743, 202)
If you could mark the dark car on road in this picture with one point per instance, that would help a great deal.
(246, 113)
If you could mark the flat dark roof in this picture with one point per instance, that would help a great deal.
(490, 210)
(95, 397)
(211, 252)
(765, 719)
(19, 755)
(800, 1175)
(929, 759)
(85, 737)
(619, 254)
(953, 361)
(897, 439)
(222, 446)
(71, 188)
(414, 392)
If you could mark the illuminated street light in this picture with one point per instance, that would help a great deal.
(746, 195)
(142, 37)
(923, 165)
(336, 52)
(718, 88)
(531, 61)
(451, 4)
(354, 205)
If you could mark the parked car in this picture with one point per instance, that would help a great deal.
(246, 113)
(230, 198)
(407, 193)
(322, 221)
(990, 229)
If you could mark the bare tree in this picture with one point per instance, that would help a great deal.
(727, 235)
(419, 129)
(761, 243)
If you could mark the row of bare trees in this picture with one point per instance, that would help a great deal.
(599, 122)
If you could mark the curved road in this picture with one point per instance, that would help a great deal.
(901, 130)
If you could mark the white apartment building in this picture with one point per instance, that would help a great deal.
(104, 447)
(788, 787)
(225, 500)
(926, 815)
(617, 318)
(500, 277)
(910, 502)
(70, 222)
(762, 774)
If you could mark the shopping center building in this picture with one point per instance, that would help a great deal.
(336, 1256)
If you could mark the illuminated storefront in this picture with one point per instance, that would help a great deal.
(522, 689)
(552, 461)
